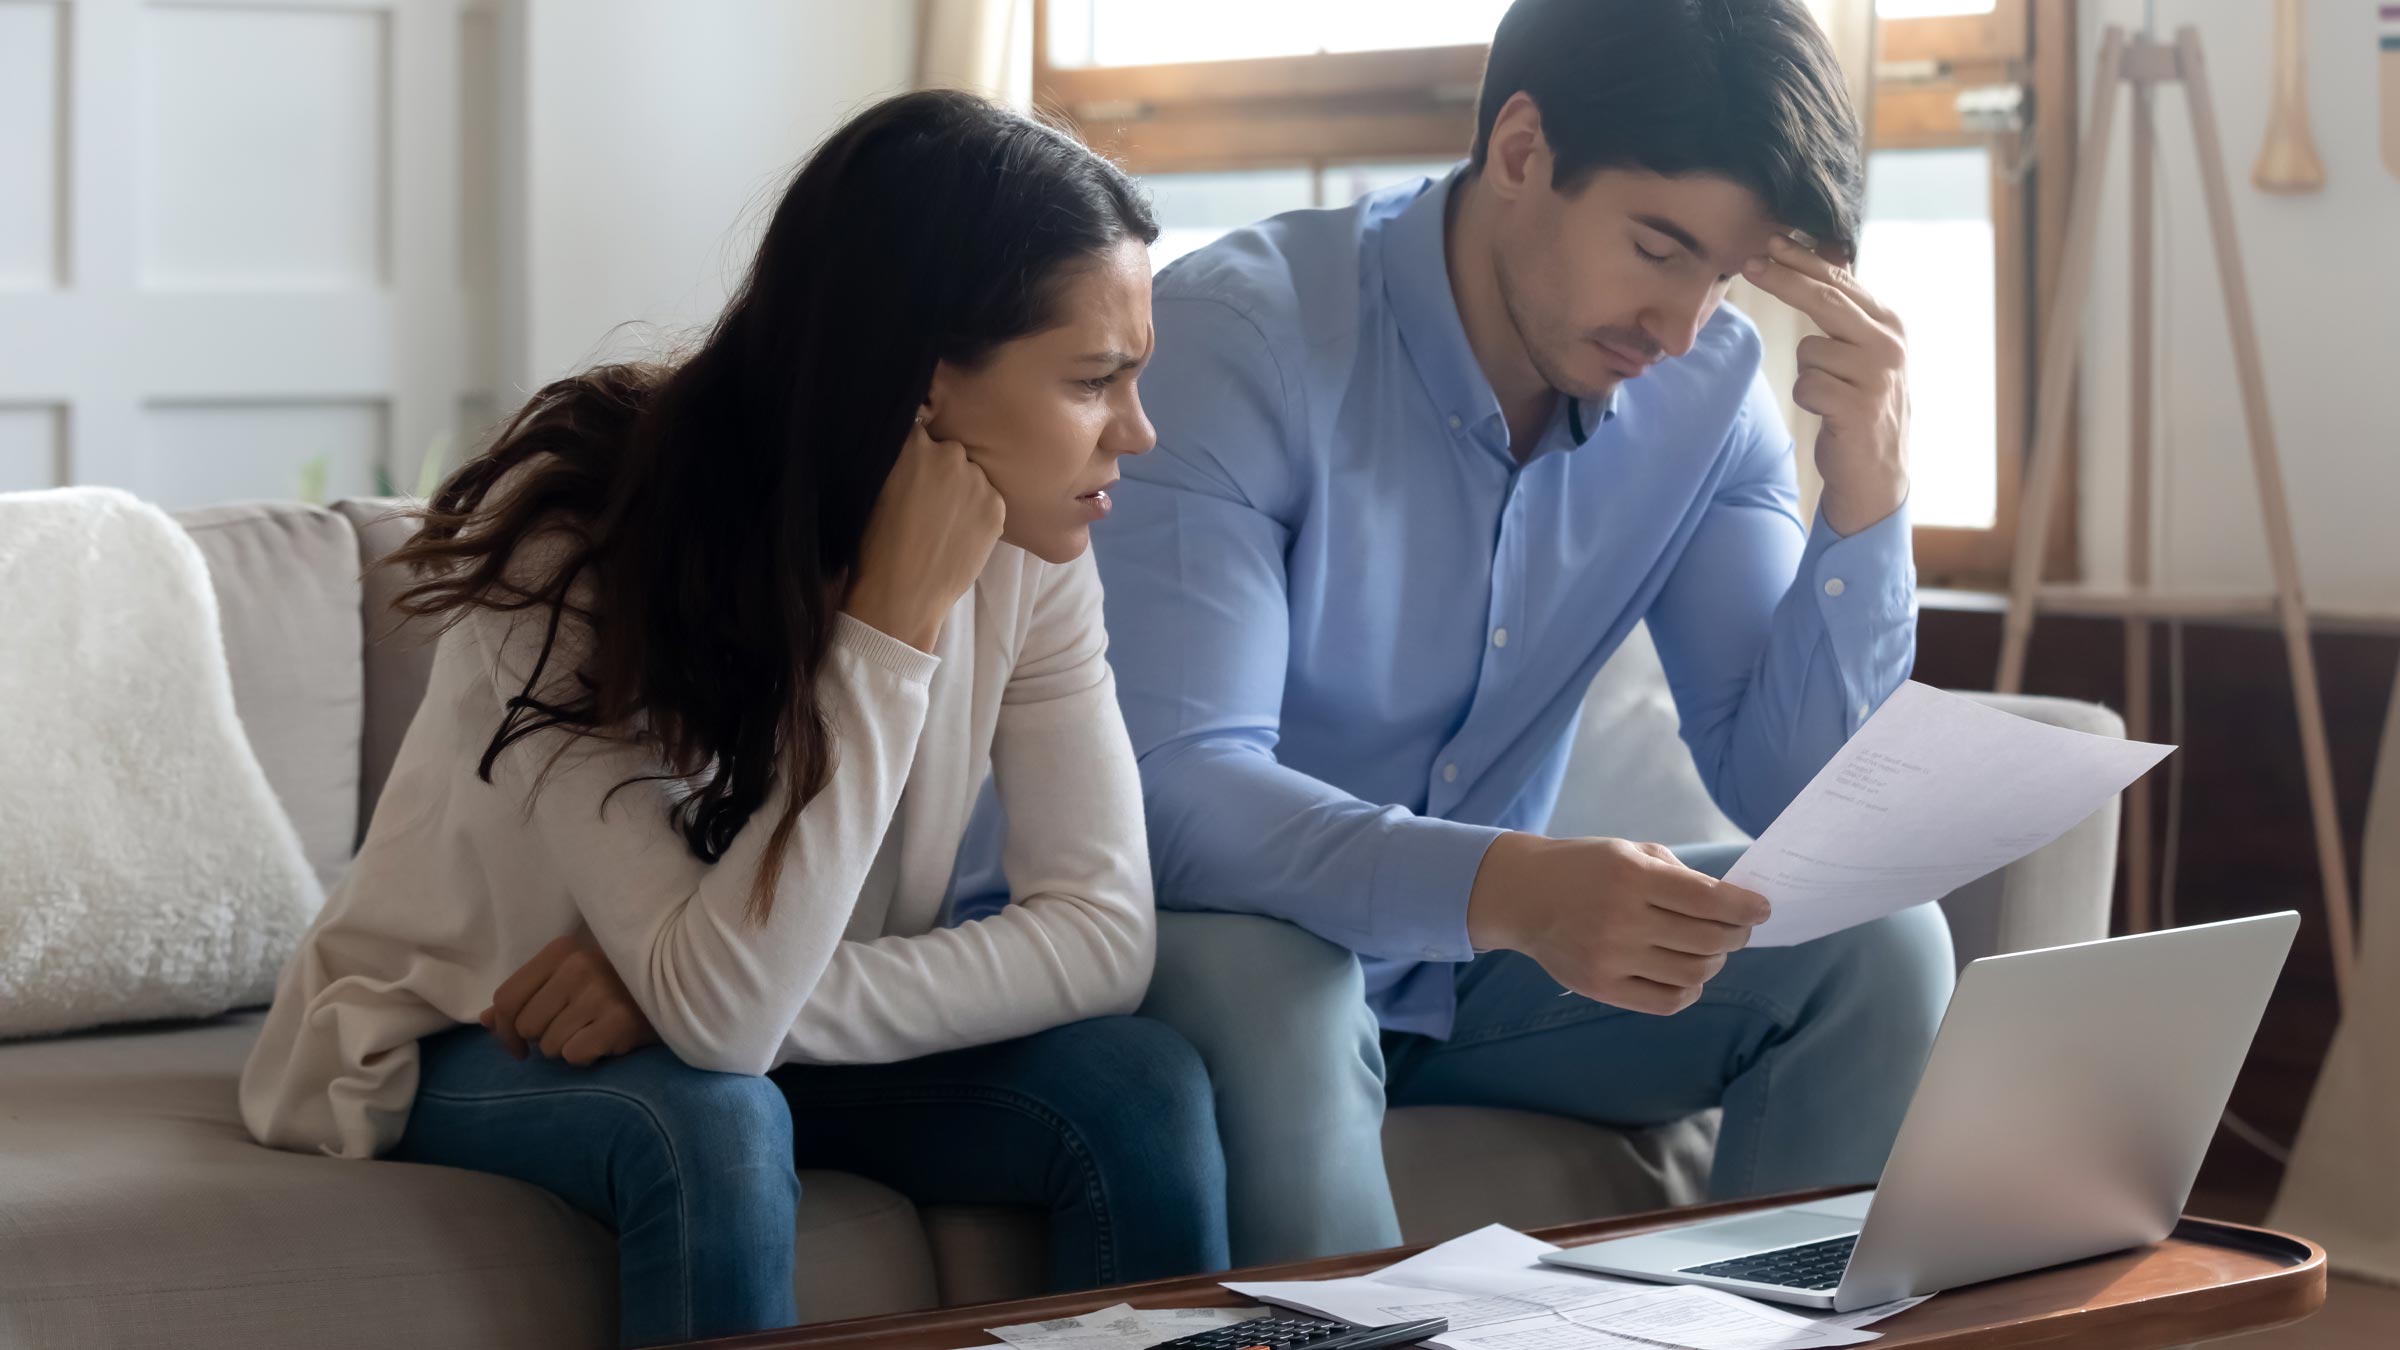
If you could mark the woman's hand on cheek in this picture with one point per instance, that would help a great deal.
(932, 531)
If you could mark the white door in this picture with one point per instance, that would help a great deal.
(231, 258)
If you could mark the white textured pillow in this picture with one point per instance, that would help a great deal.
(146, 870)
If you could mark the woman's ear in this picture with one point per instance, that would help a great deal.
(937, 393)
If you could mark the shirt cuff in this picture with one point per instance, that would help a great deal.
(883, 651)
(1423, 876)
(1864, 587)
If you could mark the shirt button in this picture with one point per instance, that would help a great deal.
(1835, 587)
(1449, 773)
(1456, 422)
(1499, 637)
(1863, 710)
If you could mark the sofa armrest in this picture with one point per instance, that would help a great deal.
(2059, 893)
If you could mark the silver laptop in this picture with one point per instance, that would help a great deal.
(2063, 1113)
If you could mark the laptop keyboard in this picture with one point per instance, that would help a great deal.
(1813, 1265)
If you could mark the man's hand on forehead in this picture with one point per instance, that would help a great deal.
(1853, 374)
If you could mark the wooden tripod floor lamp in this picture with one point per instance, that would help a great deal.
(2140, 65)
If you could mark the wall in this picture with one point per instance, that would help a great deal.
(2325, 284)
(272, 248)
(227, 243)
(657, 135)
(2245, 844)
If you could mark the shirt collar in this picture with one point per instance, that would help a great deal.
(1416, 277)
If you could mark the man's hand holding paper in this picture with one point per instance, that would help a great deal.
(1616, 921)
(1933, 792)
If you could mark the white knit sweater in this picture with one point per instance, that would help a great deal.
(460, 882)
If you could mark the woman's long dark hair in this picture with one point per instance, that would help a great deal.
(715, 506)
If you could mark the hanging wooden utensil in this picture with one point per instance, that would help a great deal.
(2387, 36)
(2288, 162)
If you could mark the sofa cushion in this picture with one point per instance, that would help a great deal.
(286, 578)
(1456, 1168)
(138, 1212)
(1629, 775)
(987, 1253)
(2060, 892)
(399, 656)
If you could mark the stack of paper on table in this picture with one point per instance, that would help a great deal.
(1491, 1286)
(1122, 1327)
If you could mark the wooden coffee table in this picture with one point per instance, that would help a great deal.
(2207, 1280)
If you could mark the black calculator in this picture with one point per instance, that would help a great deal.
(1293, 1331)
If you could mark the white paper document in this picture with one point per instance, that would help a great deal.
(1121, 1328)
(1497, 1296)
(1933, 792)
(1680, 1315)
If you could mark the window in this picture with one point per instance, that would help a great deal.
(1147, 32)
(1928, 244)
(1276, 105)
(1194, 208)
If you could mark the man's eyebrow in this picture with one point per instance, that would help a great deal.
(1675, 232)
(1114, 359)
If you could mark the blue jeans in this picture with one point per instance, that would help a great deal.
(1813, 1052)
(1104, 1125)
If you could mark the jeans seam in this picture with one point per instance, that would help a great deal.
(1587, 1009)
(1766, 1094)
(1104, 1258)
(683, 1218)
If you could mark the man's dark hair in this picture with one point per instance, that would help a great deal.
(1744, 89)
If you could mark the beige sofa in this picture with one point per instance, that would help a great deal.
(135, 1211)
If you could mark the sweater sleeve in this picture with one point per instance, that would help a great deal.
(1078, 938)
(720, 988)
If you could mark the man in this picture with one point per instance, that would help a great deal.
(1422, 463)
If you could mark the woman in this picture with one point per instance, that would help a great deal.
(731, 646)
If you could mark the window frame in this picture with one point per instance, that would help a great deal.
(1327, 109)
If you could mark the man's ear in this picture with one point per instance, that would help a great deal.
(1518, 155)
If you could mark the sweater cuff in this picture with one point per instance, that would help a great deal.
(883, 651)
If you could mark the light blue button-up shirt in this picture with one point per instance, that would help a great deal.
(1352, 633)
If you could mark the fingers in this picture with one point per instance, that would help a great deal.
(508, 1002)
(983, 475)
(1846, 361)
(552, 999)
(513, 991)
(1832, 308)
(571, 1019)
(1810, 263)
(1635, 994)
(1697, 895)
(921, 439)
(614, 1031)
(592, 1026)
(1677, 969)
(1697, 937)
(1825, 394)
(590, 1044)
